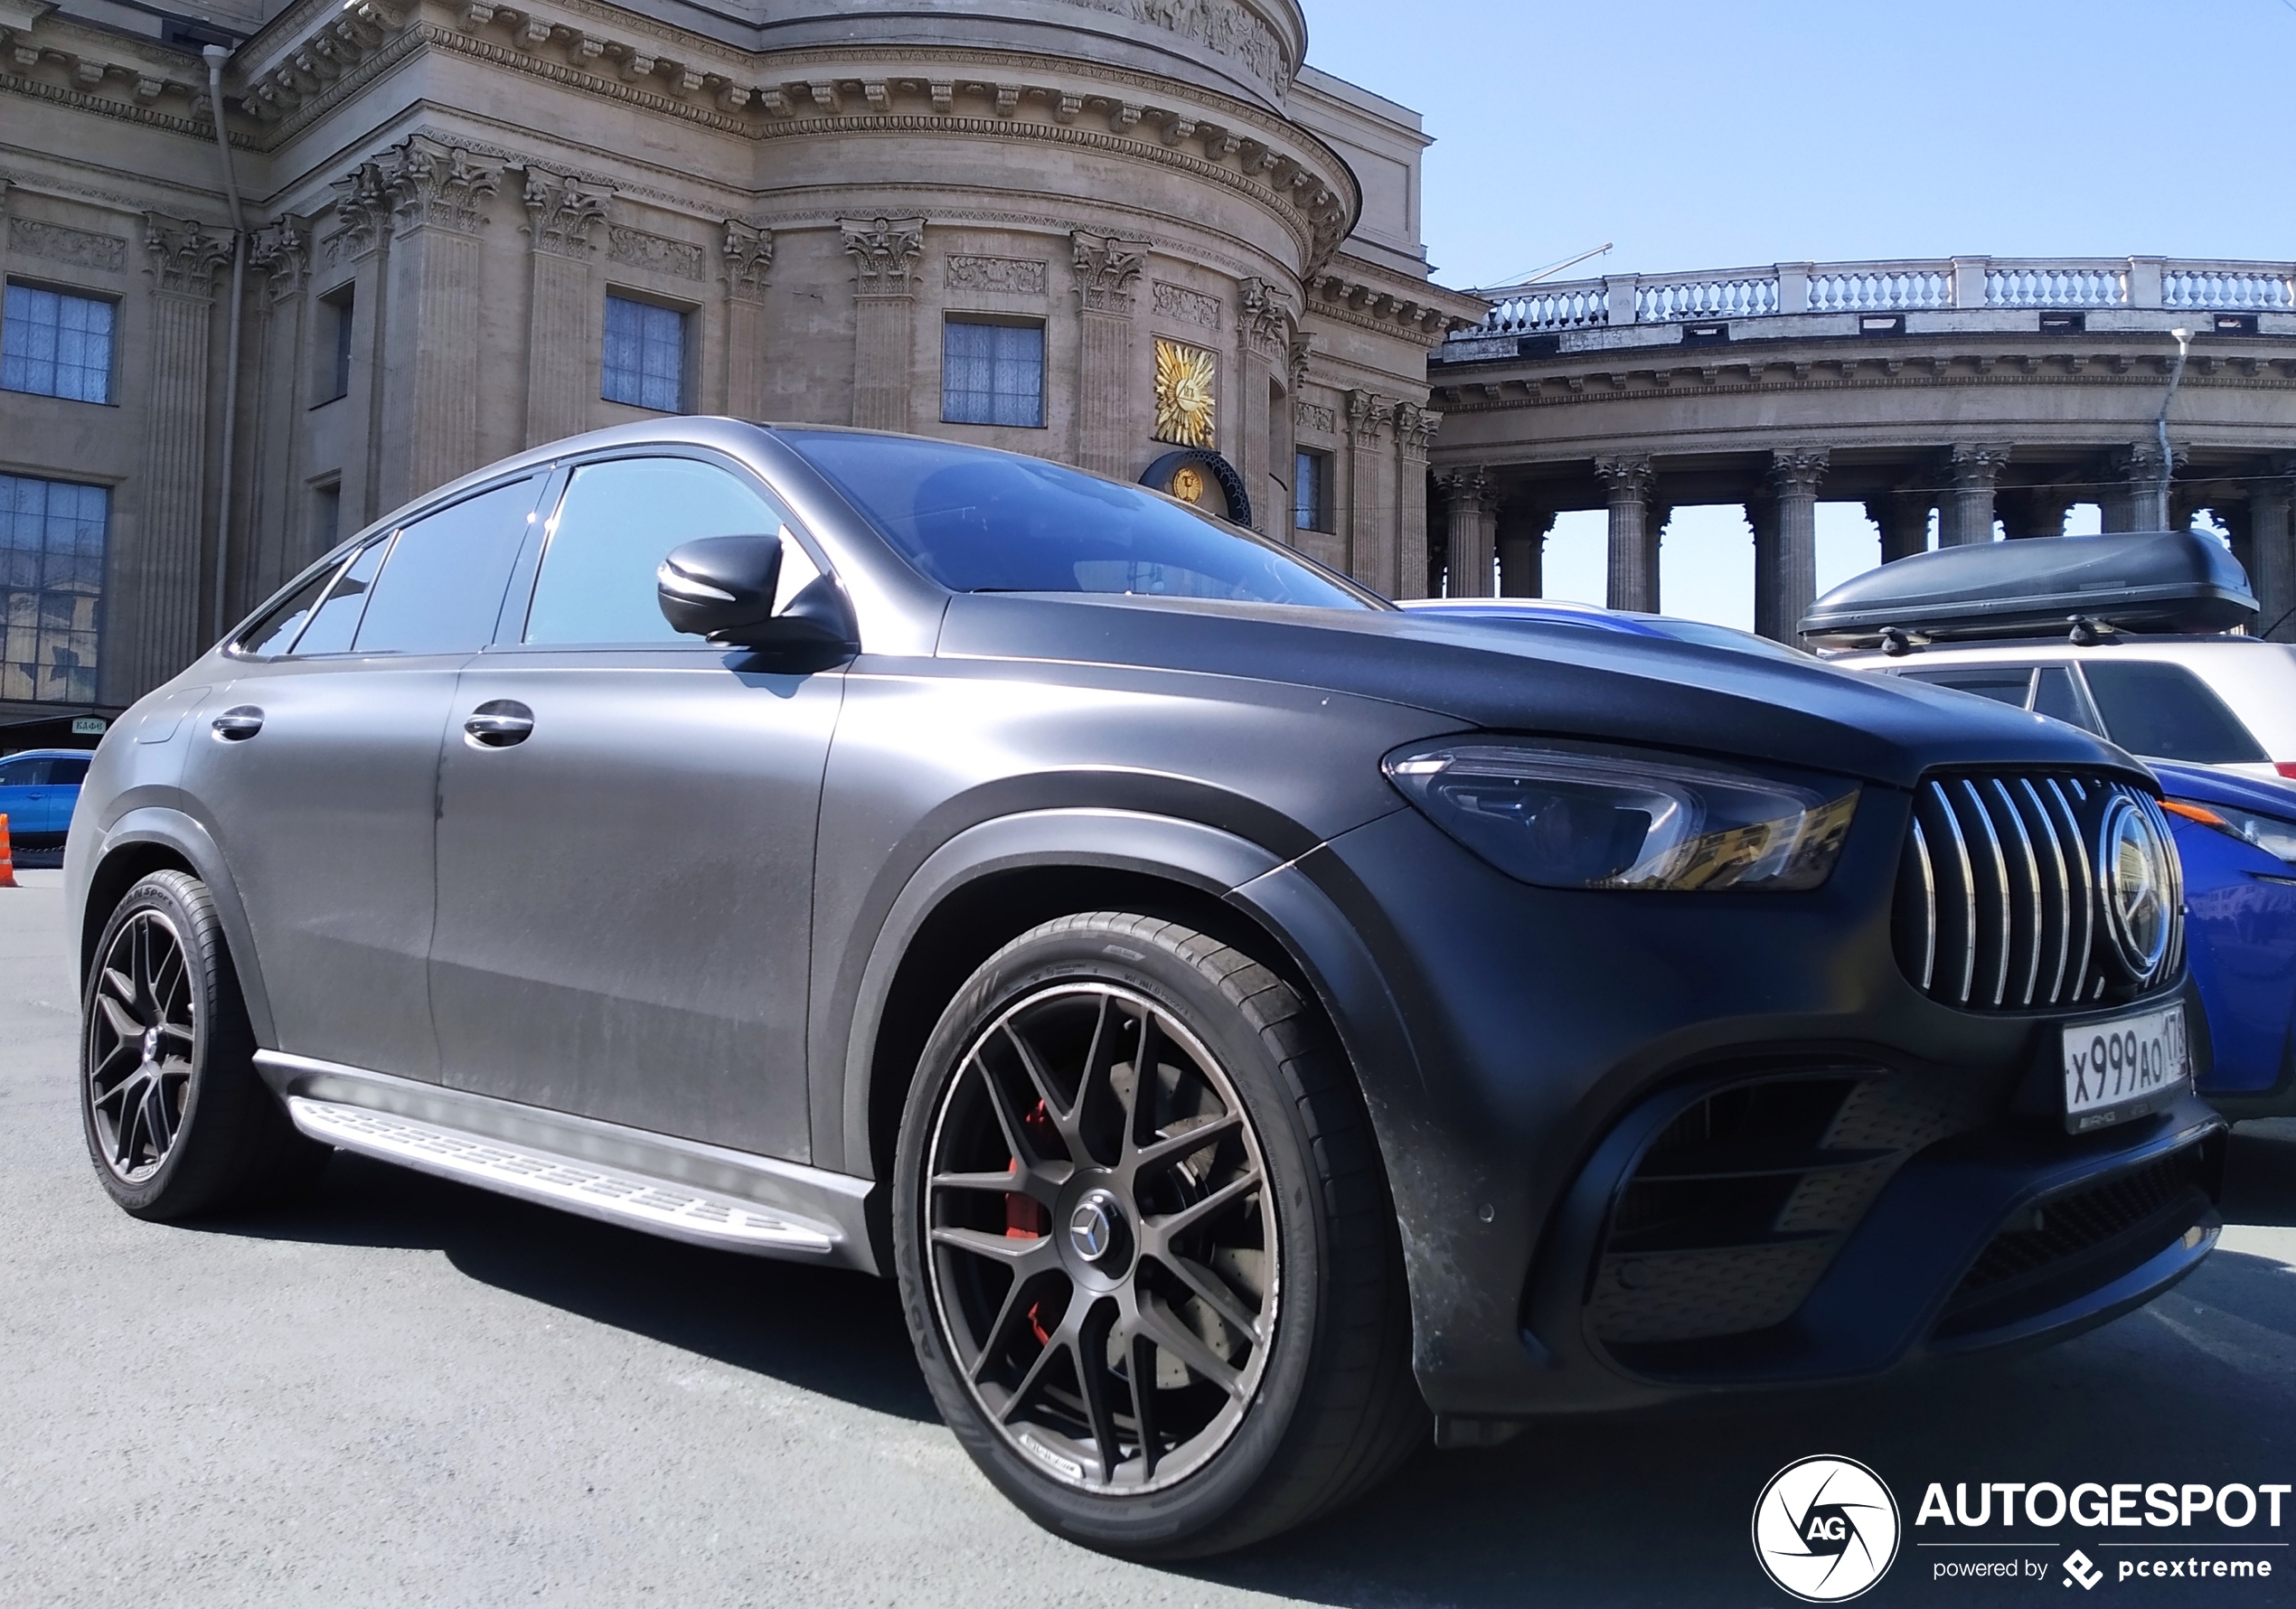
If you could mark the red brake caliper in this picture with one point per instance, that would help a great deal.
(1024, 1216)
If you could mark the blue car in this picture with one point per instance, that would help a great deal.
(2236, 833)
(38, 789)
(2237, 838)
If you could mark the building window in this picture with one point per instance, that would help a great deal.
(51, 583)
(53, 344)
(644, 355)
(334, 344)
(326, 517)
(1310, 491)
(992, 373)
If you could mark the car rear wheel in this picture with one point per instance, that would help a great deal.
(177, 1121)
(1145, 1243)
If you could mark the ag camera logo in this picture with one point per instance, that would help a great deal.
(1825, 1529)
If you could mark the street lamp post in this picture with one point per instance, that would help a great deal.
(2161, 426)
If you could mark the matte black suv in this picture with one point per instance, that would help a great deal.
(1248, 1018)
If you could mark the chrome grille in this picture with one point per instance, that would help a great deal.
(2002, 902)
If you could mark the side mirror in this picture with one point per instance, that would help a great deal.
(722, 588)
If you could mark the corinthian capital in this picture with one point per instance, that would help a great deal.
(885, 253)
(282, 250)
(1795, 471)
(184, 256)
(1266, 316)
(437, 187)
(1106, 266)
(362, 205)
(749, 254)
(1628, 476)
(1976, 465)
(561, 213)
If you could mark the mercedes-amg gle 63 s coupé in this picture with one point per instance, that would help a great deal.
(1258, 1026)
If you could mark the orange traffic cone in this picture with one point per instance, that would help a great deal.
(7, 858)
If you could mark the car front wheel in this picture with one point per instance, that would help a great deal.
(1145, 1245)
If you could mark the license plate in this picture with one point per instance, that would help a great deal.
(2125, 1067)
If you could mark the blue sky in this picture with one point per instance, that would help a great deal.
(1705, 136)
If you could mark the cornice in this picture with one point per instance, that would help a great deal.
(104, 106)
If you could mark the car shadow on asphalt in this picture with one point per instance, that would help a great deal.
(1624, 1508)
(825, 1329)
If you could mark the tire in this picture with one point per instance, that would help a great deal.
(1281, 1384)
(176, 1119)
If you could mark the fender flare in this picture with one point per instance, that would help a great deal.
(173, 829)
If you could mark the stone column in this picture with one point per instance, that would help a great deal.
(2034, 511)
(1370, 509)
(1263, 343)
(361, 244)
(748, 257)
(563, 314)
(885, 253)
(272, 549)
(1903, 520)
(1471, 504)
(1633, 579)
(430, 366)
(2272, 533)
(1414, 430)
(1108, 373)
(1785, 543)
(1967, 516)
(1522, 548)
(2133, 476)
(155, 617)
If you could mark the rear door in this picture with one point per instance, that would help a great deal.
(316, 772)
(626, 831)
(23, 794)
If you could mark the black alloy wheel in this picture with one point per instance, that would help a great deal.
(176, 1118)
(1118, 1248)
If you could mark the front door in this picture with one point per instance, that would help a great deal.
(316, 771)
(625, 834)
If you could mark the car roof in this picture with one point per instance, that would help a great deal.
(47, 754)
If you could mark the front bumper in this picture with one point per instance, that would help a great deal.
(1554, 1037)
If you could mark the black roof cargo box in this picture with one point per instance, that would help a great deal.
(2130, 580)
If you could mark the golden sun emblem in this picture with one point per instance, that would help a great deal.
(1188, 484)
(1186, 378)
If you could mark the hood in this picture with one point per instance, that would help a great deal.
(2207, 784)
(1558, 680)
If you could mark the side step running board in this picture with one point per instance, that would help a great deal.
(660, 1183)
(642, 1204)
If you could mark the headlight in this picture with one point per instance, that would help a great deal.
(1564, 819)
(2267, 832)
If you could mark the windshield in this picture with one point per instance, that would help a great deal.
(977, 520)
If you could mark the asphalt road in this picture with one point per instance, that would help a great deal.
(410, 1392)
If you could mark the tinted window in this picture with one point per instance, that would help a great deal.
(64, 772)
(23, 773)
(616, 523)
(332, 626)
(2056, 696)
(2006, 684)
(977, 520)
(276, 630)
(442, 587)
(2164, 711)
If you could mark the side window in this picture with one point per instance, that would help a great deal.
(275, 631)
(2166, 713)
(616, 523)
(337, 618)
(2006, 684)
(67, 773)
(2057, 696)
(442, 588)
(23, 773)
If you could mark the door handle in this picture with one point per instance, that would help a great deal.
(498, 724)
(238, 724)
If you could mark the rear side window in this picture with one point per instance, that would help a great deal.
(23, 773)
(337, 618)
(2056, 696)
(2166, 713)
(442, 587)
(615, 524)
(274, 632)
(2006, 684)
(67, 773)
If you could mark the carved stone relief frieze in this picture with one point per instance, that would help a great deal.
(1222, 27)
(1105, 268)
(74, 248)
(184, 256)
(748, 257)
(561, 213)
(1002, 275)
(885, 253)
(655, 254)
(1179, 303)
(1315, 417)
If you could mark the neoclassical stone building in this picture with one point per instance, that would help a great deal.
(1105, 231)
